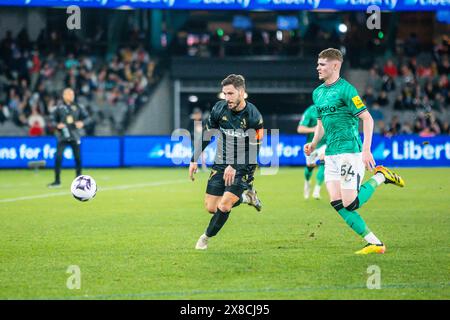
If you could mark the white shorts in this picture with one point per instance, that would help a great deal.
(348, 168)
(315, 155)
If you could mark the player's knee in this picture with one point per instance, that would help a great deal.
(210, 207)
(225, 206)
(337, 205)
(353, 205)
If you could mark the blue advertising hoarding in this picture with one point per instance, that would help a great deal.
(344, 5)
(96, 152)
(161, 151)
(412, 151)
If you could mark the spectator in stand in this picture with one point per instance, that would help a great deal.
(390, 69)
(430, 89)
(406, 75)
(412, 65)
(374, 80)
(445, 127)
(433, 123)
(388, 83)
(444, 67)
(426, 133)
(439, 103)
(406, 128)
(369, 97)
(4, 113)
(383, 99)
(36, 121)
(399, 105)
(418, 125)
(35, 68)
(380, 128)
(425, 71)
(376, 112)
(443, 85)
(394, 126)
(36, 129)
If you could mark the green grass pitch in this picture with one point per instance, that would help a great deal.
(136, 239)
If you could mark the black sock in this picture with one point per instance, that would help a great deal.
(238, 202)
(217, 221)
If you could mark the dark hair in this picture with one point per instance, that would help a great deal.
(236, 80)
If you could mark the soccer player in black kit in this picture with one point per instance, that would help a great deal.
(68, 118)
(238, 128)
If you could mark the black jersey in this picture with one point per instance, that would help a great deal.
(238, 135)
(69, 114)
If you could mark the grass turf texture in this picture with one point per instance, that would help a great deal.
(136, 239)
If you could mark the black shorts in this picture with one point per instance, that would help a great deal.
(216, 185)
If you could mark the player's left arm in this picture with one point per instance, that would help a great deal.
(258, 127)
(367, 156)
(84, 118)
(359, 109)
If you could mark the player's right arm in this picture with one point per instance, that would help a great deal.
(55, 119)
(318, 135)
(212, 123)
(318, 130)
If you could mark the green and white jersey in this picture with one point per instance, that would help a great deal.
(338, 106)
(309, 119)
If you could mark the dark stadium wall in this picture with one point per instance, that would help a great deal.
(15, 19)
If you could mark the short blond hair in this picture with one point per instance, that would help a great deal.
(331, 54)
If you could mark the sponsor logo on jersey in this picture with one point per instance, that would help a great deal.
(357, 102)
(326, 109)
(235, 133)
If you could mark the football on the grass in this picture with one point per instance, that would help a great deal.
(83, 188)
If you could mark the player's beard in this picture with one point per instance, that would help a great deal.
(233, 105)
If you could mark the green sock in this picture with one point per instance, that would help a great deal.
(352, 218)
(320, 175)
(355, 221)
(366, 191)
(308, 172)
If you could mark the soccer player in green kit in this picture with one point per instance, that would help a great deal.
(238, 127)
(340, 108)
(307, 126)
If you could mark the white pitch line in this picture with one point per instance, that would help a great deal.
(130, 186)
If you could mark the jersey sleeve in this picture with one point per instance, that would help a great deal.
(214, 117)
(257, 124)
(259, 127)
(354, 101)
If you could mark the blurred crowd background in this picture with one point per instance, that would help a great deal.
(402, 73)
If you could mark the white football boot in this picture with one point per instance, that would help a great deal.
(202, 243)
